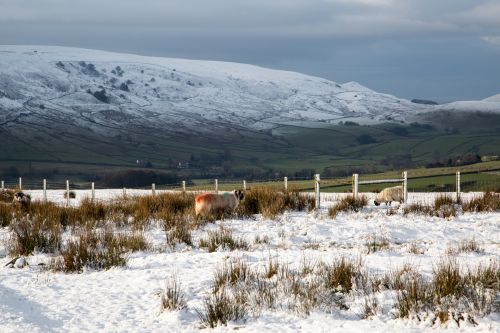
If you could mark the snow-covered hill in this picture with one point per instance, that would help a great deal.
(89, 87)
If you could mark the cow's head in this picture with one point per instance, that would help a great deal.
(239, 194)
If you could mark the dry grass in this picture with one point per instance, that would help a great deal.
(339, 275)
(222, 238)
(466, 245)
(442, 200)
(238, 290)
(348, 204)
(97, 249)
(35, 233)
(6, 215)
(220, 307)
(450, 295)
(376, 244)
(488, 202)
(7, 195)
(271, 203)
(443, 207)
(418, 208)
(172, 297)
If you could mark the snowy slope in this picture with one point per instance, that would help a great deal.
(126, 299)
(495, 98)
(59, 82)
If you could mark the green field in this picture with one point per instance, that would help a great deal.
(334, 150)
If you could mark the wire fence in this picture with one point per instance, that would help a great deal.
(470, 181)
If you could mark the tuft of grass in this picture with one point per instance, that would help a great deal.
(466, 245)
(488, 202)
(414, 297)
(271, 269)
(376, 244)
(443, 207)
(348, 204)
(271, 203)
(97, 249)
(414, 248)
(172, 297)
(418, 208)
(222, 238)
(442, 200)
(7, 195)
(180, 233)
(220, 307)
(30, 233)
(447, 279)
(339, 275)
(231, 273)
(6, 215)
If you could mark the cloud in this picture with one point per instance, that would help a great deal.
(495, 40)
(314, 18)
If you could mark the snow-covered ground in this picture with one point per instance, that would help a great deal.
(126, 299)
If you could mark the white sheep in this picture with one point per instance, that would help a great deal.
(390, 194)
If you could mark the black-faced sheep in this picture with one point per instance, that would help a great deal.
(390, 194)
(21, 199)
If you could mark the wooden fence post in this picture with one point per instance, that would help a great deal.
(458, 186)
(67, 192)
(183, 186)
(3, 185)
(355, 178)
(45, 190)
(317, 191)
(244, 185)
(93, 192)
(124, 192)
(153, 189)
(286, 183)
(216, 186)
(405, 187)
(20, 183)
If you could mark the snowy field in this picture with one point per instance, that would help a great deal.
(126, 299)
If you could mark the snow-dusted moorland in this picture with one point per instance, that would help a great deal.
(127, 299)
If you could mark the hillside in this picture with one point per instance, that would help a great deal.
(78, 110)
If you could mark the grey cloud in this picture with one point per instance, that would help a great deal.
(270, 18)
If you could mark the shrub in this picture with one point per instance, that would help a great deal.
(231, 273)
(270, 202)
(172, 297)
(101, 249)
(447, 279)
(376, 244)
(489, 202)
(222, 238)
(414, 297)
(30, 233)
(6, 215)
(348, 204)
(418, 208)
(442, 200)
(179, 233)
(339, 275)
(465, 246)
(7, 196)
(219, 308)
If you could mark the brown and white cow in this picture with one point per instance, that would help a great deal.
(209, 203)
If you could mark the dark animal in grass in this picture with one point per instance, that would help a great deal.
(21, 200)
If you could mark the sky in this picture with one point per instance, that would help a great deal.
(443, 50)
